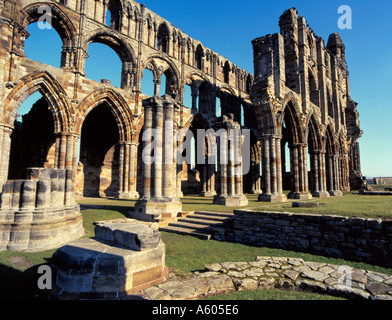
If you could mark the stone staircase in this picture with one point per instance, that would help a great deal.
(205, 225)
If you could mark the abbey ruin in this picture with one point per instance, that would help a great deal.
(85, 138)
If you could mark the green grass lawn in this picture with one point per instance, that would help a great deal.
(187, 254)
(273, 294)
(351, 205)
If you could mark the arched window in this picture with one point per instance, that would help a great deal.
(98, 154)
(218, 107)
(313, 92)
(113, 14)
(32, 137)
(103, 63)
(226, 72)
(330, 104)
(163, 87)
(248, 83)
(43, 45)
(188, 96)
(310, 45)
(199, 57)
(242, 116)
(163, 38)
(147, 84)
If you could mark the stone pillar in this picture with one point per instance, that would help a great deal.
(255, 176)
(158, 152)
(160, 200)
(5, 144)
(127, 170)
(148, 115)
(318, 164)
(323, 174)
(272, 170)
(334, 175)
(133, 194)
(230, 165)
(299, 169)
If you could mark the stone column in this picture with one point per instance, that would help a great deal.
(158, 152)
(279, 165)
(169, 175)
(299, 169)
(229, 162)
(160, 200)
(121, 171)
(127, 170)
(5, 144)
(255, 176)
(318, 164)
(334, 175)
(147, 153)
(323, 174)
(272, 170)
(337, 178)
(132, 180)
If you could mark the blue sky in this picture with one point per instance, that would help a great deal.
(228, 27)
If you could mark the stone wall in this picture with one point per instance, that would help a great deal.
(366, 240)
(382, 180)
(40, 212)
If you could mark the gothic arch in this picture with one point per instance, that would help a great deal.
(163, 38)
(112, 39)
(60, 21)
(159, 65)
(118, 106)
(50, 89)
(331, 145)
(290, 113)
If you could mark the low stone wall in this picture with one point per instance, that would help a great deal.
(40, 212)
(385, 180)
(356, 239)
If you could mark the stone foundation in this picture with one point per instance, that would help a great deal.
(39, 213)
(125, 256)
(279, 197)
(231, 201)
(156, 209)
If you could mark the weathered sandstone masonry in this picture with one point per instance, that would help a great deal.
(298, 101)
(124, 257)
(367, 240)
(40, 212)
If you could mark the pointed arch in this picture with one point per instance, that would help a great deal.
(226, 72)
(314, 134)
(290, 115)
(50, 89)
(118, 106)
(331, 145)
(115, 7)
(163, 38)
(199, 56)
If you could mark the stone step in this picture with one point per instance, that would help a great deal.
(200, 221)
(196, 226)
(202, 224)
(214, 214)
(186, 231)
